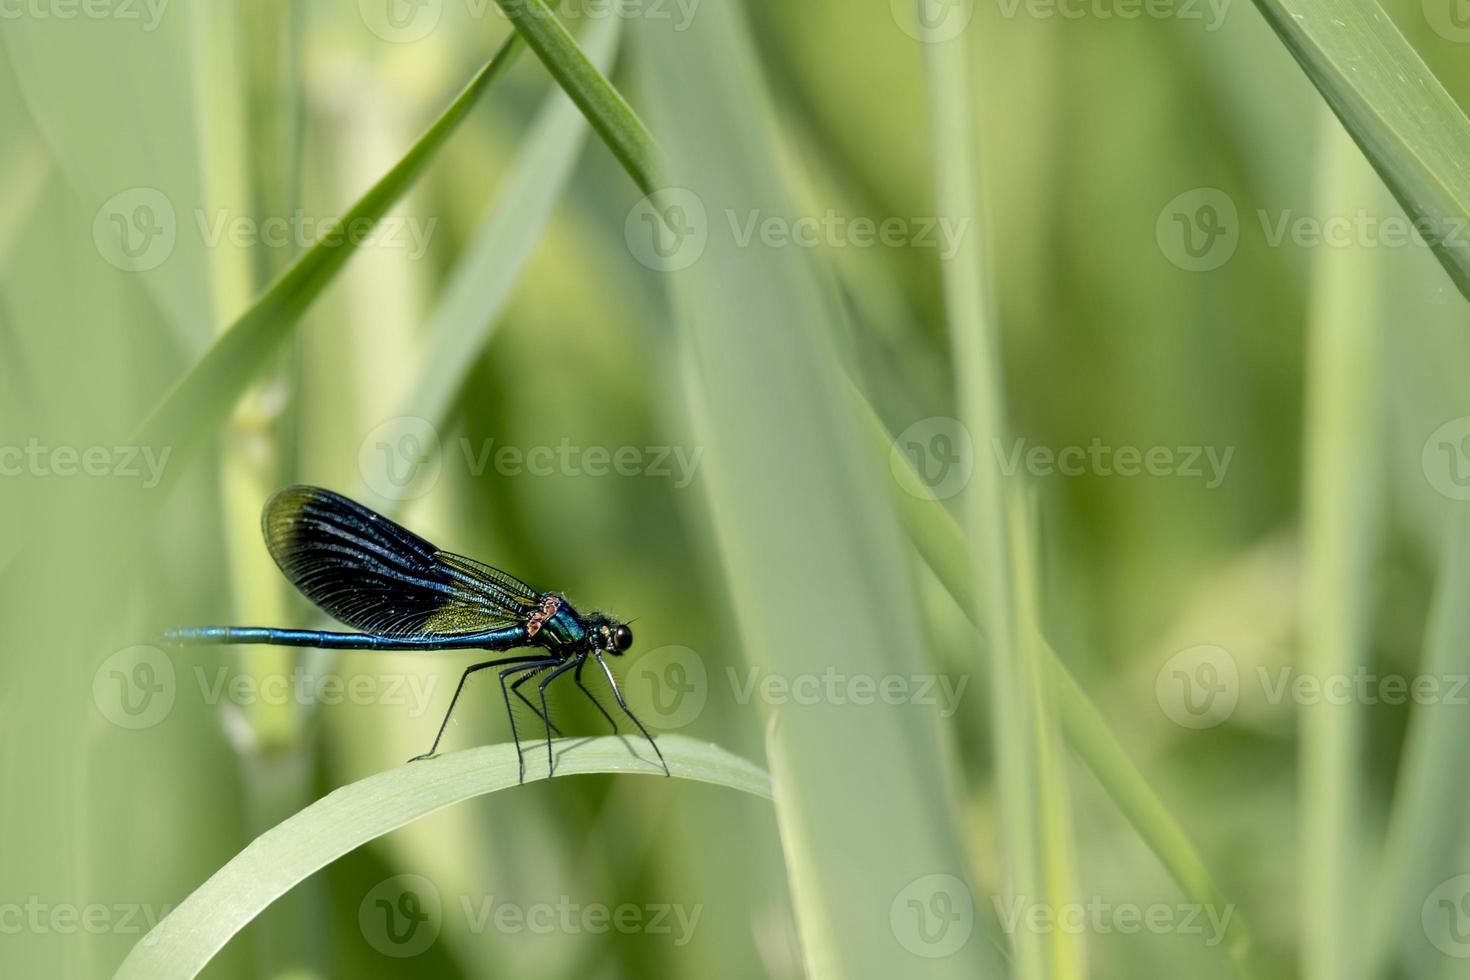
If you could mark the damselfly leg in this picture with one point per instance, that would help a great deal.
(629, 711)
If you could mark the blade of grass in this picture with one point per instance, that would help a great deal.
(205, 395)
(189, 937)
(1397, 111)
(980, 395)
(1339, 503)
(1066, 954)
(1429, 810)
(811, 552)
(604, 106)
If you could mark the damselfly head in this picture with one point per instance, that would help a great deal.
(609, 635)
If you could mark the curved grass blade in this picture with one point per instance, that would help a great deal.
(1397, 111)
(184, 942)
(205, 395)
(602, 104)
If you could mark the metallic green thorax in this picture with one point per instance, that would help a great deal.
(566, 628)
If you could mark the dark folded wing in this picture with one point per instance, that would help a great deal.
(376, 576)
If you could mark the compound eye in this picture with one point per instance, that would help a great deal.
(622, 638)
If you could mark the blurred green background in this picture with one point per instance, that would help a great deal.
(504, 359)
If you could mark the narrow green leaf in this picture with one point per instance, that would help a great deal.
(1057, 873)
(189, 937)
(205, 395)
(604, 106)
(980, 395)
(1340, 507)
(1397, 111)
